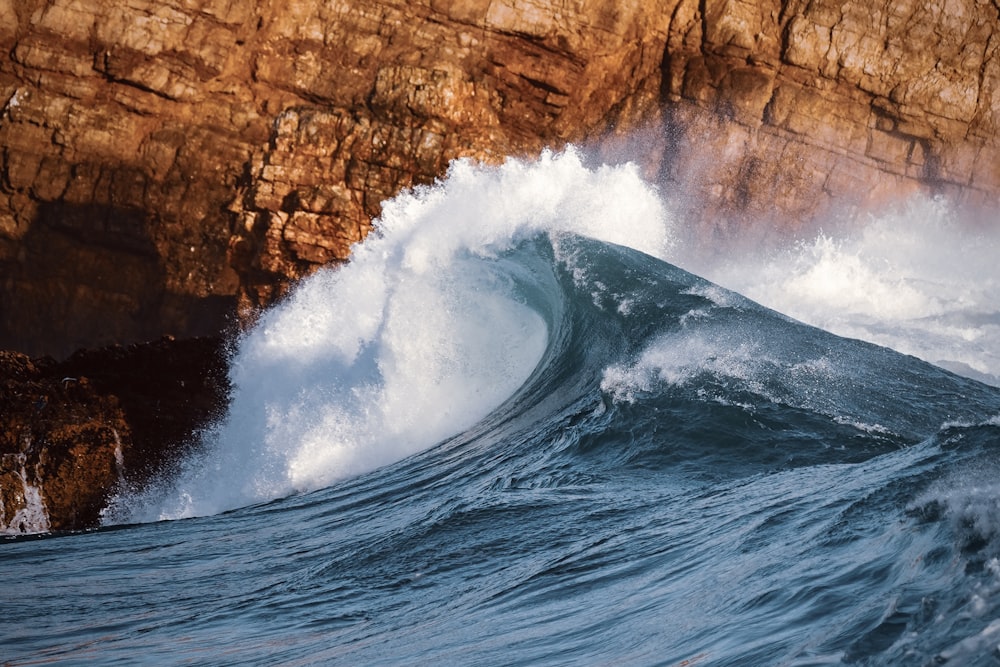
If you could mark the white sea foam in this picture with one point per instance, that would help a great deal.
(916, 278)
(31, 517)
(969, 499)
(970, 649)
(420, 336)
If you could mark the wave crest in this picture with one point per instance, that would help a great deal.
(427, 330)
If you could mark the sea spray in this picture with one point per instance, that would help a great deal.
(916, 276)
(421, 335)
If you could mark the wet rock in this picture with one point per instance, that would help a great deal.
(75, 432)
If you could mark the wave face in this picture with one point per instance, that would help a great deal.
(436, 321)
(514, 431)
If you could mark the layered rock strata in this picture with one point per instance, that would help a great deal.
(162, 159)
(822, 103)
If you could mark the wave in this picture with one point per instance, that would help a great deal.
(499, 289)
(517, 425)
(431, 326)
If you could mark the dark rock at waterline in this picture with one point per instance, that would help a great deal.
(73, 433)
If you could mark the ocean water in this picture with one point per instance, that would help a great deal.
(531, 423)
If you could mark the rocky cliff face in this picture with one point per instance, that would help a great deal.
(163, 162)
(162, 159)
(833, 102)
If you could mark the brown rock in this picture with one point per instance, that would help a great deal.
(866, 99)
(74, 433)
(163, 160)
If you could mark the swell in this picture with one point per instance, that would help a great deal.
(437, 320)
(682, 475)
(479, 305)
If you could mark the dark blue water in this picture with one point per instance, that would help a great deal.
(776, 496)
(685, 478)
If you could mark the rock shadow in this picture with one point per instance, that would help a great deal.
(91, 275)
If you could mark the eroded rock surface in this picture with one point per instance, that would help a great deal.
(833, 102)
(161, 159)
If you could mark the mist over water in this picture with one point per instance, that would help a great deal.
(918, 276)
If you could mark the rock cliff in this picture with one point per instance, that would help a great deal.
(160, 160)
(165, 164)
